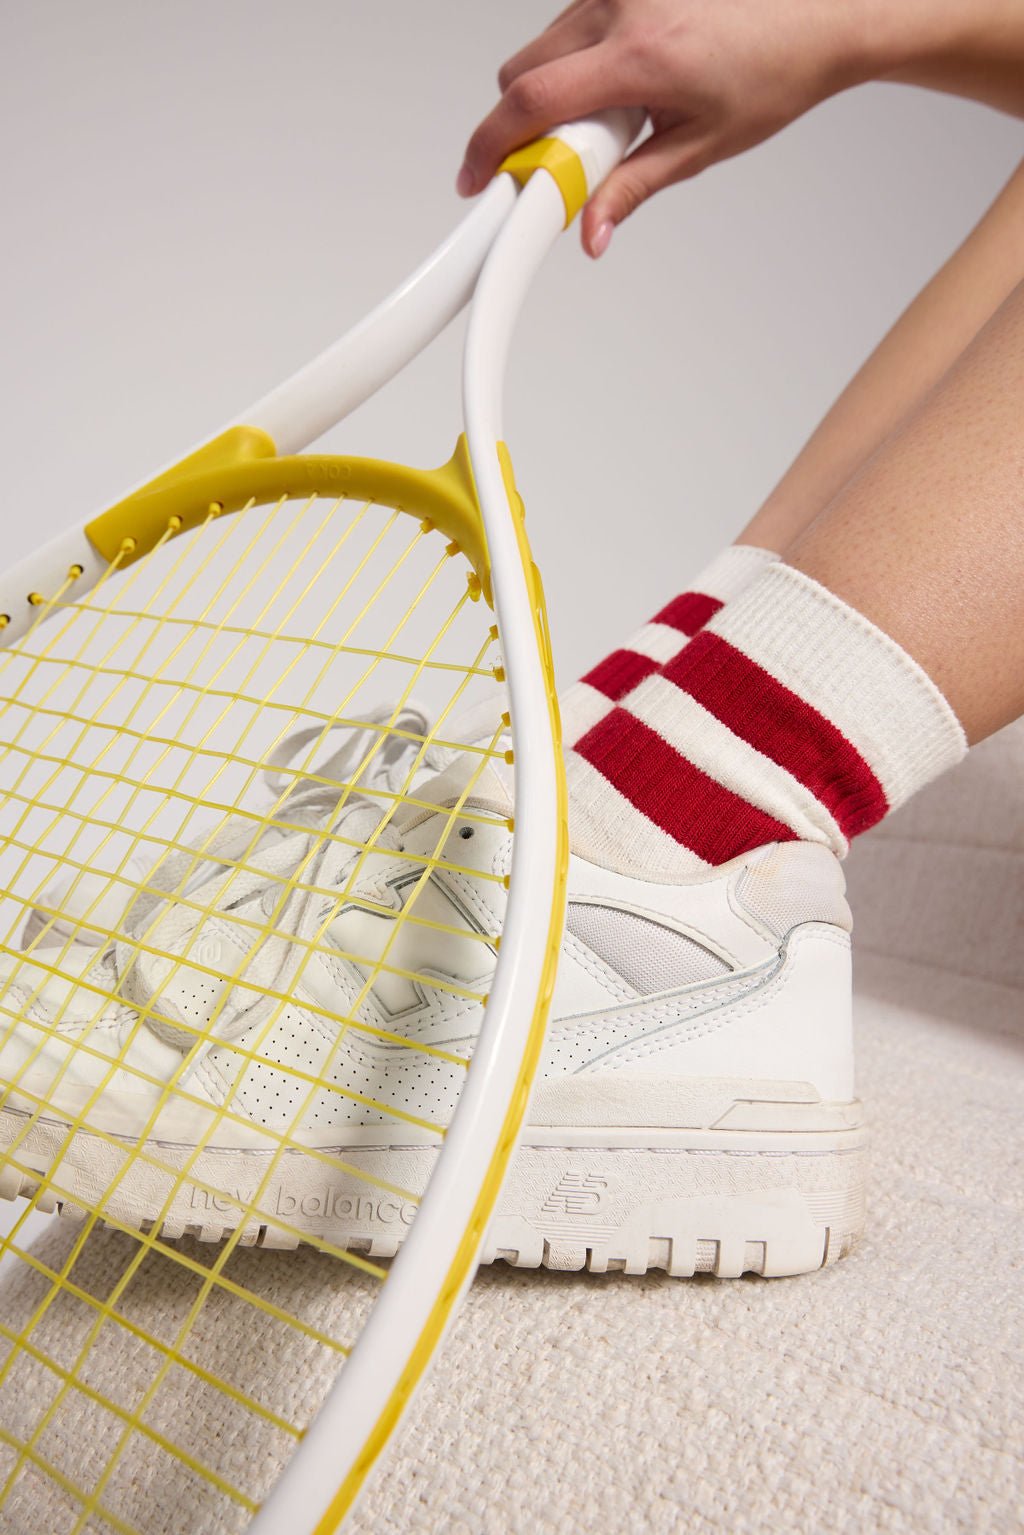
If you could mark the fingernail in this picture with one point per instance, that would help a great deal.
(602, 238)
(465, 181)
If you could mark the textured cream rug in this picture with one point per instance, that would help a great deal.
(884, 1394)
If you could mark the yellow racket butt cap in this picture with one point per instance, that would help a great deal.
(561, 163)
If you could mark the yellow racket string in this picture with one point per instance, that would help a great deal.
(92, 1501)
(152, 1341)
(151, 1010)
(155, 1384)
(124, 803)
(209, 1034)
(203, 801)
(152, 681)
(117, 778)
(306, 642)
(346, 700)
(87, 634)
(254, 539)
(60, 760)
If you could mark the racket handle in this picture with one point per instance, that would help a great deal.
(578, 156)
(601, 141)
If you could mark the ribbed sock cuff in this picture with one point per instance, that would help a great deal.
(849, 670)
(733, 569)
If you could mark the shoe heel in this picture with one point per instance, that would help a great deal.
(688, 1210)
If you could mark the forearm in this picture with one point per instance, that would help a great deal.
(918, 350)
(971, 48)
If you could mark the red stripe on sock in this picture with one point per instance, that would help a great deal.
(619, 673)
(775, 721)
(700, 813)
(688, 613)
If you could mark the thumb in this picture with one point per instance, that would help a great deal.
(660, 161)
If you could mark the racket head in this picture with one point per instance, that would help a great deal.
(168, 829)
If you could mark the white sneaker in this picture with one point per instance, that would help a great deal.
(694, 1110)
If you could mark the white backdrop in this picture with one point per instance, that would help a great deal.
(197, 197)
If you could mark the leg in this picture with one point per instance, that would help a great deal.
(830, 688)
(927, 540)
(898, 613)
(921, 346)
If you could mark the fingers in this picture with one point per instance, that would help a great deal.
(568, 33)
(568, 87)
(663, 159)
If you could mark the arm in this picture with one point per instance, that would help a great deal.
(972, 48)
(718, 76)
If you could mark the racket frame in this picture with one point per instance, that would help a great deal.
(489, 262)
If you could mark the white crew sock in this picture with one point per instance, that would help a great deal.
(788, 715)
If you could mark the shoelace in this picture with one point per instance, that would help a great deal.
(162, 951)
(287, 913)
(396, 764)
(182, 888)
(305, 800)
(389, 762)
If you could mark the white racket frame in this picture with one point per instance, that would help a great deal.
(489, 262)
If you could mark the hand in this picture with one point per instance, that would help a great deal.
(714, 76)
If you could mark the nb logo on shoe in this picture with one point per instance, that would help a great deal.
(575, 1194)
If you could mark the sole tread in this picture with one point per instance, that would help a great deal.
(568, 1209)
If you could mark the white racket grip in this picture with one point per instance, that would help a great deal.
(601, 141)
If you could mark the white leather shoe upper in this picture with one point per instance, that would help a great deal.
(363, 1024)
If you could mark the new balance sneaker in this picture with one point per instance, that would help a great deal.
(694, 1109)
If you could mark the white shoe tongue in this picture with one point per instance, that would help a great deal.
(478, 724)
(483, 783)
(485, 780)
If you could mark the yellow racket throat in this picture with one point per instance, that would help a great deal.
(240, 469)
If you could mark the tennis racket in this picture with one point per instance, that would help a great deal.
(260, 721)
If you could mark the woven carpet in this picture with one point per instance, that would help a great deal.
(886, 1393)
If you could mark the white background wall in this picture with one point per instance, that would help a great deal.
(197, 196)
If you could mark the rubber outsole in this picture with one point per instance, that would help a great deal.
(724, 1204)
